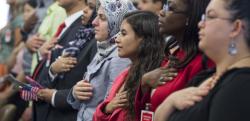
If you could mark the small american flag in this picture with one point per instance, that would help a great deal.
(29, 95)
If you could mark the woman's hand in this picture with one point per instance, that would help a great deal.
(83, 90)
(180, 100)
(63, 63)
(186, 98)
(119, 101)
(158, 77)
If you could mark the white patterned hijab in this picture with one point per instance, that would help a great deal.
(115, 11)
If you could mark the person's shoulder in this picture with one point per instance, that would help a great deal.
(237, 75)
(233, 87)
(230, 96)
(119, 62)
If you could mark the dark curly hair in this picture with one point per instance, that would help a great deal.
(150, 52)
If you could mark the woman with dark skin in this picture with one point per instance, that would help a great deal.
(179, 18)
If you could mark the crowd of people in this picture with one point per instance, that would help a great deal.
(114, 60)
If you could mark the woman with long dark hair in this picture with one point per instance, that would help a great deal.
(141, 42)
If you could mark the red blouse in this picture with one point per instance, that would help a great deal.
(179, 82)
(118, 114)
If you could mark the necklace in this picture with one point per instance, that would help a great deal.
(240, 60)
(213, 80)
(215, 77)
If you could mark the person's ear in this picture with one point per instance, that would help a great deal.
(237, 28)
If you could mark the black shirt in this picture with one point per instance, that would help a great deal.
(229, 100)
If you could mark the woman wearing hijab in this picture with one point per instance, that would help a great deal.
(106, 65)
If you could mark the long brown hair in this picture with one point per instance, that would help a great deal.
(150, 52)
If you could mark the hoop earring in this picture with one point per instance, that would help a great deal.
(232, 50)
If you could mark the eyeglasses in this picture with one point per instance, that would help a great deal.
(166, 9)
(205, 18)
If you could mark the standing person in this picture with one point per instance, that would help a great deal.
(48, 25)
(10, 35)
(29, 29)
(10, 52)
(106, 65)
(143, 45)
(48, 28)
(52, 104)
(223, 95)
(179, 18)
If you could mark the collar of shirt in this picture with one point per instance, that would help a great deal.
(71, 19)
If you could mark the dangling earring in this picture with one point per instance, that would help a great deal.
(232, 50)
(187, 22)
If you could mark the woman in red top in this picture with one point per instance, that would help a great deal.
(141, 43)
(179, 18)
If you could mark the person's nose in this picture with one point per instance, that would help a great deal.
(95, 22)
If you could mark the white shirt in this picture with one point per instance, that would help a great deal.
(69, 20)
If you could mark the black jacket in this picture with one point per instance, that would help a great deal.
(62, 111)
